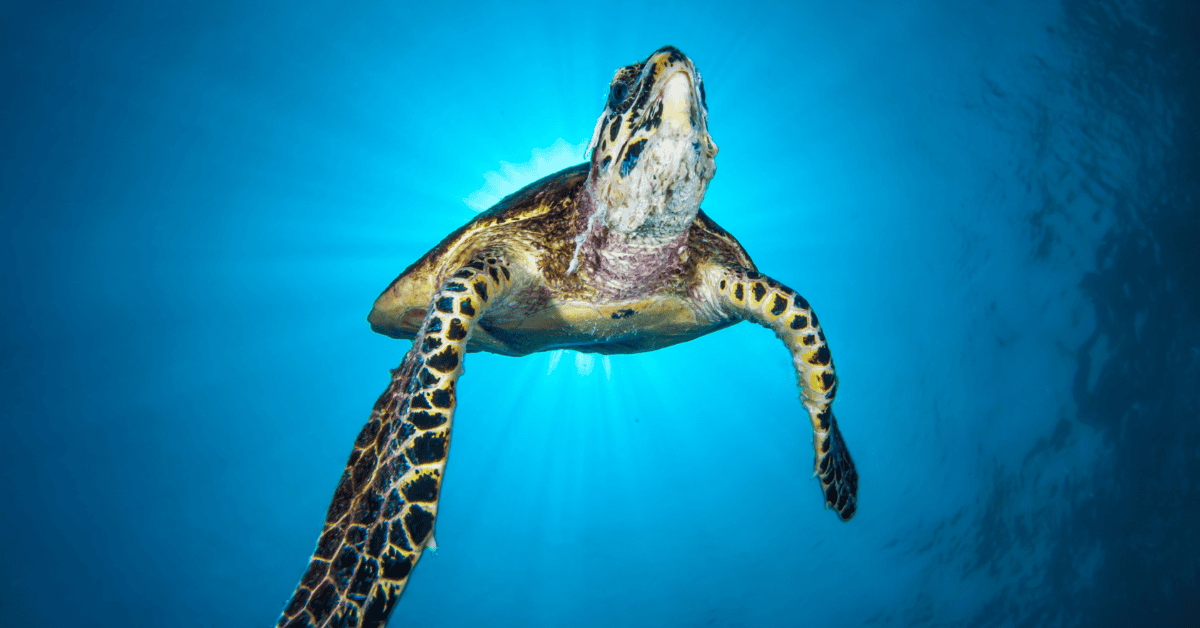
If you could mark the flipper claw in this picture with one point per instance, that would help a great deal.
(751, 295)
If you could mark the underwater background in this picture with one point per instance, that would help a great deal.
(991, 205)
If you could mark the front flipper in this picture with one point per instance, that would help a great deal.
(753, 296)
(383, 511)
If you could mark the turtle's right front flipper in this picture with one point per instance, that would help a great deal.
(383, 511)
(753, 296)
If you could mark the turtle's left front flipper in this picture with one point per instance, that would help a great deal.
(750, 295)
(383, 511)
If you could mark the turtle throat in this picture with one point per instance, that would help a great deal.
(652, 159)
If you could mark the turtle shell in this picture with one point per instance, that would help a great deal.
(553, 307)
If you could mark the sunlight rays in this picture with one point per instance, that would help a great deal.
(584, 363)
(513, 176)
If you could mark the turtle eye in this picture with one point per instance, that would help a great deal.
(617, 94)
(702, 101)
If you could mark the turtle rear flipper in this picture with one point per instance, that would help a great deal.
(753, 296)
(383, 512)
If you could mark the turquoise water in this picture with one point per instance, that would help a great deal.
(991, 206)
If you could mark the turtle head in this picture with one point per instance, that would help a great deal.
(651, 154)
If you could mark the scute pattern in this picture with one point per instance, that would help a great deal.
(383, 511)
(789, 315)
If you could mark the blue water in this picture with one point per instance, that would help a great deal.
(992, 206)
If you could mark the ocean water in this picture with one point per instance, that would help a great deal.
(991, 205)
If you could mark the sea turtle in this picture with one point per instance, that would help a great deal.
(611, 256)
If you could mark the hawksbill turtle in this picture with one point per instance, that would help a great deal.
(610, 256)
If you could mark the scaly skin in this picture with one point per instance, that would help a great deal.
(753, 296)
(383, 511)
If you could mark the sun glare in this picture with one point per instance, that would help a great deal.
(512, 177)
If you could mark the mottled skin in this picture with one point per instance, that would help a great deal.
(611, 256)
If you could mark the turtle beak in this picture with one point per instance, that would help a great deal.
(677, 102)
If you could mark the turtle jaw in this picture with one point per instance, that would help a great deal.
(652, 159)
(678, 110)
(652, 155)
